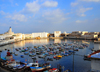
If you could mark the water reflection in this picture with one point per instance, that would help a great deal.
(95, 65)
(19, 44)
(96, 46)
(57, 40)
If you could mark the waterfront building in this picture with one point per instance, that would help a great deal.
(84, 32)
(19, 36)
(5, 37)
(57, 33)
(28, 36)
(76, 32)
(41, 35)
(90, 36)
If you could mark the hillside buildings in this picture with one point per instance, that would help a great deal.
(83, 35)
(10, 36)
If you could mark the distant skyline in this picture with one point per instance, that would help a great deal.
(27, 16)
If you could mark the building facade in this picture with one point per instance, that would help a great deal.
(41, 35)
(57, 33)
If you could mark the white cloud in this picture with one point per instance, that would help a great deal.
(2, 12)
(55, 16)
(81, 11)
(90, 0)
(79, 21)
(16, 4)
(50, 4)
(31, 7)
(74, 4)
(83, 15)
(18, 17)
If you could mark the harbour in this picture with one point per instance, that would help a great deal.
(71, 62)
(49, 36)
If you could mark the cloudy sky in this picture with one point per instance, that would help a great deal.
(27, 16)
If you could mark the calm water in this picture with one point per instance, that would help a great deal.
(71, 62)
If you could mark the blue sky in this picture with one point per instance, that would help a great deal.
(27, 16)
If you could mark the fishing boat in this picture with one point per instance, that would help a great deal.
(54, 70)
(49, 59)
(34, 58)
(11, 64)
(22, 56)
(17, 50)
(76, 49)
(16, 54)
(40, 68)
(32, 64)
(26, 53)
(42, 56)
(66, 54)
(32, 54)
(59, 56)
(23, 50)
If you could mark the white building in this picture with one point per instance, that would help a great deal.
(84, 32)
(28, 36)
(41, 35)
(2, 37)
(19, 36)
(90, 36)
(57, 33)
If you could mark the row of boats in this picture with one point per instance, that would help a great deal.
(57, 50)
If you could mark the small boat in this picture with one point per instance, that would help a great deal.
(22, 56)
(16, 54)
(41, 56)
(26, 49)
(35, 46)
(66, 54)
(49, 59)
(26, 53)
(14, 66)
(76, 49)
(59, 56)
(71, 51)
(32, 54)
(23, 50)
(9, 57)
(34, 58)
(54, 70)
(20, 51)
(40, 68)
(17, 50)
(37, 52)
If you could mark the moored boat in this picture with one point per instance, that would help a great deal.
(40, 68)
